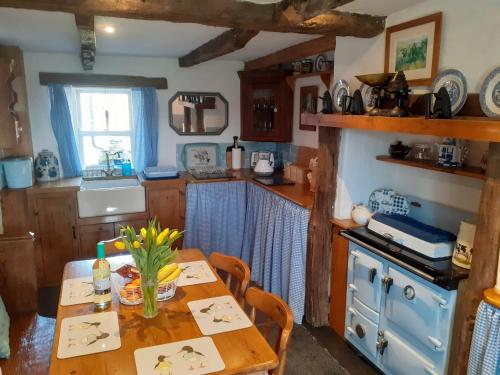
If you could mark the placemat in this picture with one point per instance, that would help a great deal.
(195, 356)
(87, 334)
(218, 314)
(77, 291)
(197, 272)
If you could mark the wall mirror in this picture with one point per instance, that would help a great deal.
(198, 113)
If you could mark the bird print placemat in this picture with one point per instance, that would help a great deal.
(77, 291)
(218, 314)
(193, 357)
(197, 272)
(87, 334)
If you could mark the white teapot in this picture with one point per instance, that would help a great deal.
(361, 214)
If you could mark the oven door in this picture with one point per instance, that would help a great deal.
(365, 272)
(417, 310)
(398, 358)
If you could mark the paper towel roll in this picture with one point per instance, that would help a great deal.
(236, 156)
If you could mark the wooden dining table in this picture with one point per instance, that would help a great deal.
(243, 351)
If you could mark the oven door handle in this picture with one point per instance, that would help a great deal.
(437, 345)
(352, 287)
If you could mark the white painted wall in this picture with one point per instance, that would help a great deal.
(469, 32)
(218, 76)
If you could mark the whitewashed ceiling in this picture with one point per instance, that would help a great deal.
(56, 32)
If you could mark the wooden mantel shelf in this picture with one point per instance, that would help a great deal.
(325, 76)
(484, 129)
(469, 171)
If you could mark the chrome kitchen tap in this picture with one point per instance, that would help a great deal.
(109, 171)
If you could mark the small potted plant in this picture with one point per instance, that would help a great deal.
(151, 250)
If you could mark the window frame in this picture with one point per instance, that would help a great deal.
(80, 134)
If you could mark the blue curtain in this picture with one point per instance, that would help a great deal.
(215, 217)
(484, 357)
(275, 246)
(145, 111)
(60, 118)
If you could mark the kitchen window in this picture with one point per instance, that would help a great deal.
(103, 122)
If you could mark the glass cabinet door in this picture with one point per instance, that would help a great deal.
(264, 109)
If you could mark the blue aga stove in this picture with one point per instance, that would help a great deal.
(400, 304)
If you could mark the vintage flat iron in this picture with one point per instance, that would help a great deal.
(442, 104)
(327, 103)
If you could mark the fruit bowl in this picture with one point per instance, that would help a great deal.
(377, 79)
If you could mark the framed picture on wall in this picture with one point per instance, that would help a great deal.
(308, 104)
(414, 47)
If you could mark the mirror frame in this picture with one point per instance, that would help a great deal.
(199, 93)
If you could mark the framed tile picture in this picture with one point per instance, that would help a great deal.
(413, 47)
(308, 104)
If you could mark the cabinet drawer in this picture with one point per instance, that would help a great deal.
(361, 332)
(364, 278)
(418, 310)
(93, 228)
(401, 359)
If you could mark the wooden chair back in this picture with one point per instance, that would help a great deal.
(110, 249)
(234, 268)
(277, 313)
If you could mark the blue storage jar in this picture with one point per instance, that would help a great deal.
(18, 172)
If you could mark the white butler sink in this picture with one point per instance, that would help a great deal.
(110, 197)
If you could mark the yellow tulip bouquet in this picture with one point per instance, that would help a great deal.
(151, 250)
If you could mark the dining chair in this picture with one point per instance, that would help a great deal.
(277, 314)
(233, 267)
(110, 249)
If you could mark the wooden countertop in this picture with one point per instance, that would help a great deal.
(345, 223)
(298, 193)
(65, 184)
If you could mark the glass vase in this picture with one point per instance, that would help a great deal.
(149, 286)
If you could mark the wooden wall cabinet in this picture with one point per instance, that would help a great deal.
(266, 106)
(56, 233)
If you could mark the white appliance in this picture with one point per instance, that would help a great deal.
(265, 164)
(255, 156)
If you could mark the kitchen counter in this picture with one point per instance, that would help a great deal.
(298, 193)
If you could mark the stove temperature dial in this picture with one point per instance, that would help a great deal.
(409, 292)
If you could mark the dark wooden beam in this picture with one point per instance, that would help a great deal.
(102, 80)
(484, 265)
(320, 229)
(296, 52)
(227, 42)
(85, 25)
(280, 17)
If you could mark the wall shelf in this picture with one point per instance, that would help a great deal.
(473, 172)
(325, 77)
(477, 128)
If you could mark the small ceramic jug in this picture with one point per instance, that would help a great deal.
(361, 214)
(46, 167)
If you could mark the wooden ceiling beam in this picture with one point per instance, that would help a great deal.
(85, 25)
(295, 52)
(229, 41)
(286, 16)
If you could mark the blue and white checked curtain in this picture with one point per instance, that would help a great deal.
(275, 246)
(215, 217)
(60, 117)
(263, 229)
(145, 114)
(484, 357)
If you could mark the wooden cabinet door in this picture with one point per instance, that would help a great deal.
(57, 234)
(136, 224)
(8, 136)
(90, 235)
(167, 206)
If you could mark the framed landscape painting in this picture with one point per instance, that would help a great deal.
(413, 47)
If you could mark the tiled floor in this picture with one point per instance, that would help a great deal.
(341, 351)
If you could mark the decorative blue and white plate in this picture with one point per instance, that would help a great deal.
(454, 82)
(387, 201)
(368, 97)
(340, 89)
(489, 96)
